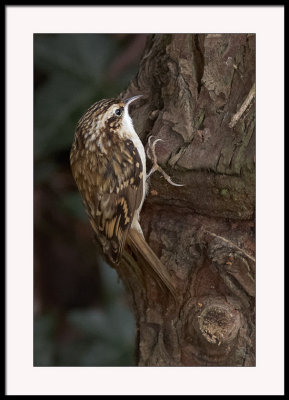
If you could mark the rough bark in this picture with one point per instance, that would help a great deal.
(199, 97)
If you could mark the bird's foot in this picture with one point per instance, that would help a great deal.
(151, 153)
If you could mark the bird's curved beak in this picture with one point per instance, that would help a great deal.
(131, 99)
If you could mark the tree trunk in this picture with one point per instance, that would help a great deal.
(199, 97)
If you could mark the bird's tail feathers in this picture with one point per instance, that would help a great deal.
(139, 245)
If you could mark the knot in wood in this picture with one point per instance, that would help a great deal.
(218, 323)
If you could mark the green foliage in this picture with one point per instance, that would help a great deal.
(43, 343)
(93, 338)
(88, 337)
(72, 204)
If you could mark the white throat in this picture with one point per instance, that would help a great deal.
(129, 132)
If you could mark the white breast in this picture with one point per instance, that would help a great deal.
(129, 132)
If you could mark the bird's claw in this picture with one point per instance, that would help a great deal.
(151, 153)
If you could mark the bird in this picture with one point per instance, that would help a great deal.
(108, 164)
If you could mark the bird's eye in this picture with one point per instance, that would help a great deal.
(118, 112)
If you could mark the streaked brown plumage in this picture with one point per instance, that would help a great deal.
(109, 167)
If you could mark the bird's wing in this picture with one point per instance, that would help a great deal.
(112, 192)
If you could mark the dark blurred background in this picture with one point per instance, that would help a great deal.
(81, 316)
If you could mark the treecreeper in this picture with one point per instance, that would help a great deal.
(108, 163)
